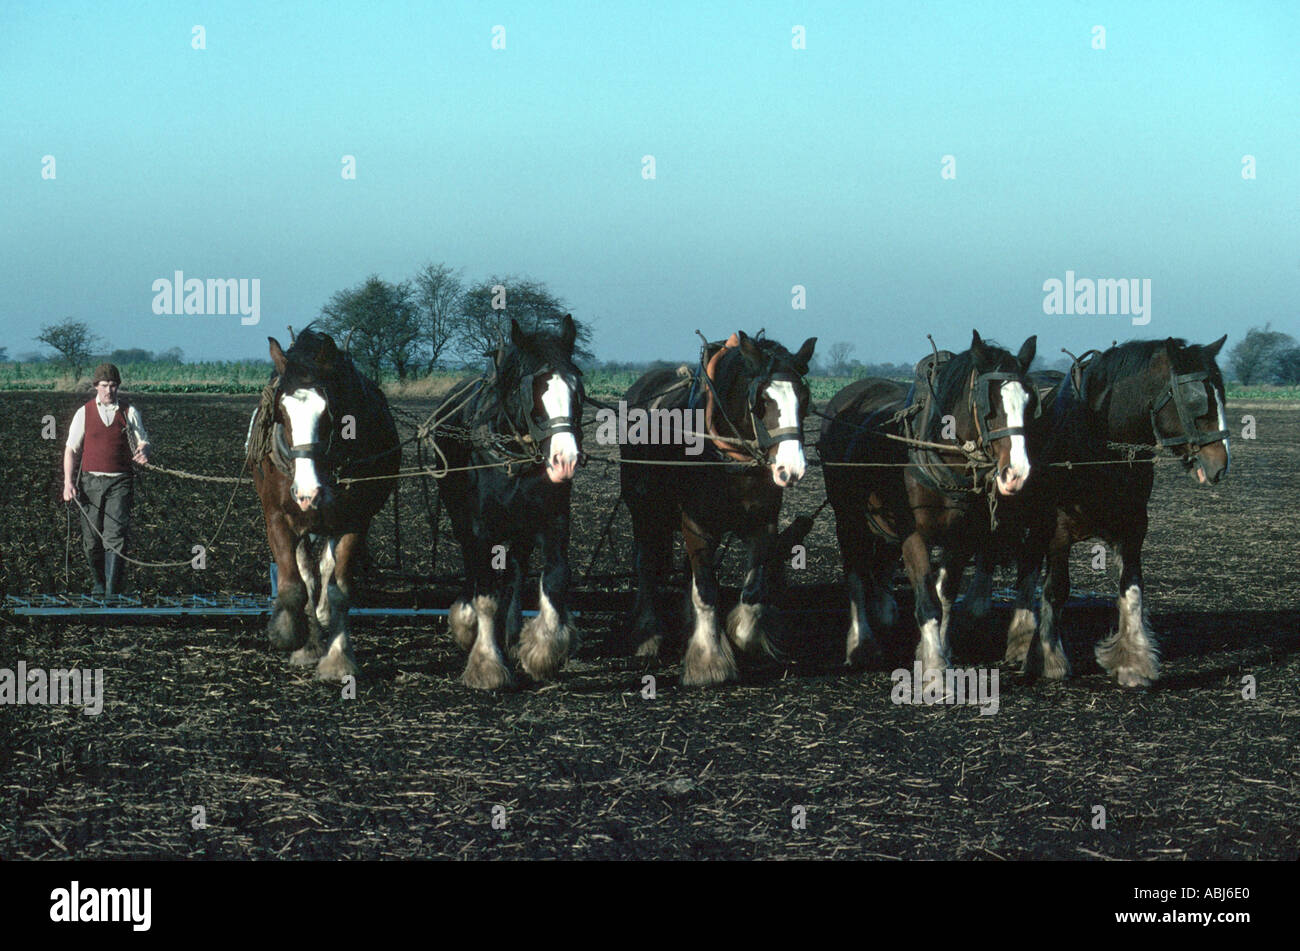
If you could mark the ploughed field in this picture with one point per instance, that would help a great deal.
(199, 712)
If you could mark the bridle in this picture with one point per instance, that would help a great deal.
(283, 454)
(750, 451)
(981, 399)
(539, 432)
(1188, 407)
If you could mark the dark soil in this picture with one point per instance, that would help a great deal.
(202, 714)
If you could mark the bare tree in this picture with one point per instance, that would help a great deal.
(74, 342)
(438, 293)
(379, 324)
(839, 358)
(487, 308)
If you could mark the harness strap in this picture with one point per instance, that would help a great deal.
(712, 403)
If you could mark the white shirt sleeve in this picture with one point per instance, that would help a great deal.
(136, 426)
(77, 431)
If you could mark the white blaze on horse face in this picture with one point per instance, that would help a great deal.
(557, 400)
(304, 408)
(1015, 399)
(789, 465)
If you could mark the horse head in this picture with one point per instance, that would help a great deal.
(1166, 389)
(304, 420)
(1002, 399)
(764, 397)
(540, 393)
(1188, 413)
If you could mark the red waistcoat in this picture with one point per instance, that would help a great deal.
(106, 448)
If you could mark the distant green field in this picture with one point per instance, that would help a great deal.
(250, 376)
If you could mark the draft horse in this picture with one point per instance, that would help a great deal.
(968, 421)
(319, 421)
(1144, 390)
(751, 397)
(512, 442)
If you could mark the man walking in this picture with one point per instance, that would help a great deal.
(102, 433)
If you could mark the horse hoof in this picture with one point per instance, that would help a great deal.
(305, 656)
(486, 672)
(335, 666)
(541, 652)
(287, 631)
(1056, 666)
(703, 668)
(864, 655)
(463, 624)
(1131, 677)
(649, 648)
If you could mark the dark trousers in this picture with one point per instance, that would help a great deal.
(106, 500)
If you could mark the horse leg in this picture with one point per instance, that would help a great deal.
(882, 607)
(548, 638)
(486, 667)
(752, 624)
(979, 596)
(460, 618)
(708, 659)
(654, 545)
(860, 647)
(1131, 654)
(932, 651)
(1020, 632)
(952, 565)
(287, 629)
(336, 574)
(517, 566)
(317, 612)
(1049, 658)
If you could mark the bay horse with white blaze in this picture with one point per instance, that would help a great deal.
(1142, 393)
(511, 441)
(319, 420)
(753, 399)
(968, 418)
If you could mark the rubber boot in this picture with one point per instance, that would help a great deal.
(97, 572)
(112, 573)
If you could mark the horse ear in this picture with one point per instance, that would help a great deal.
(748, 348)
(1027, 351)
(1214, 348)
(977, 348)
(568, 332)
(329, 352)
(804, 355)
(277, 355)
(517, 335)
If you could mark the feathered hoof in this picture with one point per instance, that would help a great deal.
(287, 630)
(648, 648)
(703, 667)
(335, 665)
(542, 653)
(863, 654)
(1129, 667)
(306, 656)
(752, 629)
(1049, 664)
(463, 624)
(1020, 635)
(485, 671)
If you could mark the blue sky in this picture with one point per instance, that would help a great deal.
(774, 166)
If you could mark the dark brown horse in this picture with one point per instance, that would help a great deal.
(512, 439)
(749, 399)
(1141, 393)
(320, 420)
(969, 423)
